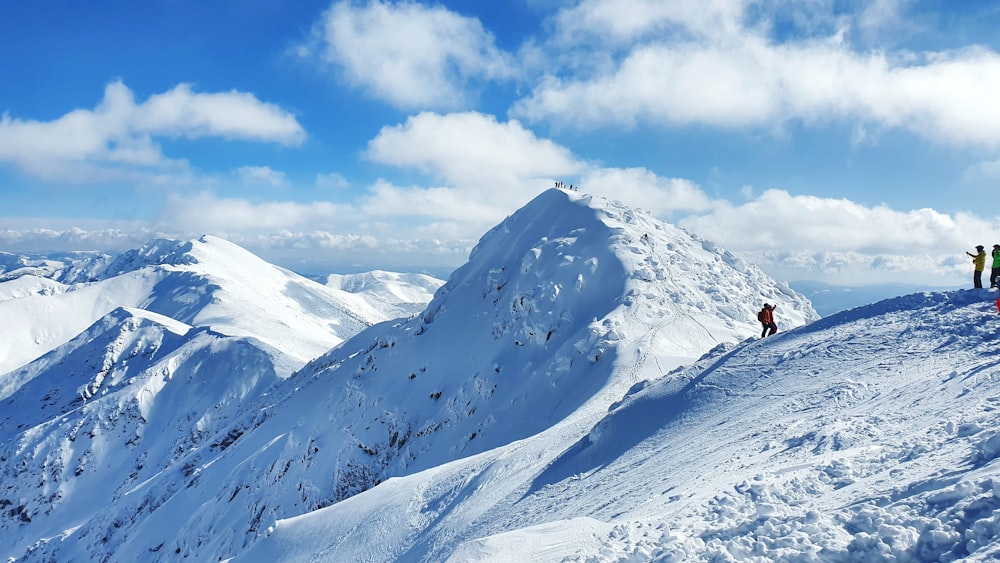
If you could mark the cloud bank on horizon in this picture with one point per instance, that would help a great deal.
(853, 142)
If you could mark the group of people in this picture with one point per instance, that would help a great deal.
(766, 314)
(979, 264)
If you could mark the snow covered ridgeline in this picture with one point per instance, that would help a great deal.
(871, 435)
(139, 394)
(204, 282)
(560, 310)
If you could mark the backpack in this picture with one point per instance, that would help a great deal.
(760, 316)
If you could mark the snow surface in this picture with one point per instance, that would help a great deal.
(869, 436)
(206, 282)
(401, 295)
(590, 386)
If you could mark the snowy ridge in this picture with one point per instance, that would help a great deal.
(119, 418)
(870, 435)
(28, 285)
(560, 310)
(403, 294)
(140, 402)
(63, 267)
(205, 282)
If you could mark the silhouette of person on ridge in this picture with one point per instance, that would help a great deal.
(979, 263)
(766, 318)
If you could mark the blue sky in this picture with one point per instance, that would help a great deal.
(852, 142)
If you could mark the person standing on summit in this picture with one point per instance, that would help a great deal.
(995, 272)
(979, 263)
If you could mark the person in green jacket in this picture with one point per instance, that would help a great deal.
(979, 262)
(995, 272)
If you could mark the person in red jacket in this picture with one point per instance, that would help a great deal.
(766, 318)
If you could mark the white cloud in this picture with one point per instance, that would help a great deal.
(644, 189)
(778, 220)
(231, 115)
(408, 54)
(115, 139)
(73, 235)
(262, 176)
(385, 200)
(988, 170)
(792, 237)
(725, 71)
(332, 181)
(472, 150)
(796, 235)
(207, 213)
(628, 21)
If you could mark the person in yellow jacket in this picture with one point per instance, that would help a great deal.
(979, 262)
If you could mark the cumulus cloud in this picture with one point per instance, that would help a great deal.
(325, 237)
(205, 212)
(629, 21)
(776, 220)
(644, 189)
(795, 235)
(501, 164)
(408, 54)
(726, 71)
(80, 236)
(115, 140)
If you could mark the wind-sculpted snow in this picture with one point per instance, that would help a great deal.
(868, 436)
(98, 446)
(454, 413)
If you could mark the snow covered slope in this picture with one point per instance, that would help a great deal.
(561, 309)
(402, 294)
(871, 435)
(63, 267)
(206, 282)
(85, 428)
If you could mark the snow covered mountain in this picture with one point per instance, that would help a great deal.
(207, 282)
(871, 435)
(63, 267)
(401, 295)
(169, 438)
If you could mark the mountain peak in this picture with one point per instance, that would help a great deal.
(561, 309)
